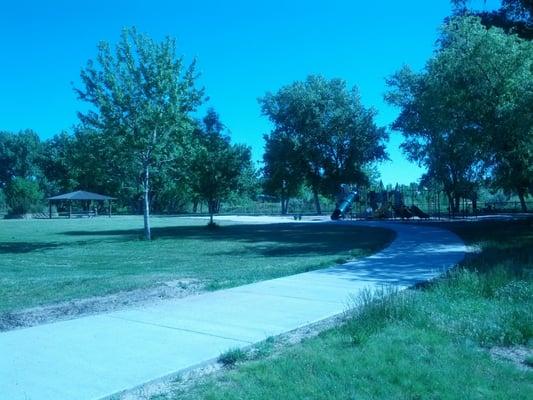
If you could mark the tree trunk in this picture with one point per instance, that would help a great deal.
(450, 203)
(317, 202)
(195, 206)
(211, 205)
(456, 203)
(284, 205)
(146, 208)
(522, 197)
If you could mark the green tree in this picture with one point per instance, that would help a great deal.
(56, 164)
(142, 96)
(496, 70)
(19, 154)
(435, 136)
(22, 195)
(468, 114)
(513, 16)
(282, 169)
(217, 166)
(333, 135)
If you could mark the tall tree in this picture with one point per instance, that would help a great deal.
(142, 96)
(217, 166)
(333, 134)
(468, 114)
(496, 69)
(283, 166)
(435, 134)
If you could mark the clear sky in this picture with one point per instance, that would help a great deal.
(243, 48)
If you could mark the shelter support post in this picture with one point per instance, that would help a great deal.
(49, 209)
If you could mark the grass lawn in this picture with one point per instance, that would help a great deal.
(47, 261)
(428, 343)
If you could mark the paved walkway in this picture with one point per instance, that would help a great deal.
(96, 356)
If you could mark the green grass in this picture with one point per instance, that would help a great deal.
(231, 357)
(47, 261)
(428, 343)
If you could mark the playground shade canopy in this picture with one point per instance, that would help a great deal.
(81, 195)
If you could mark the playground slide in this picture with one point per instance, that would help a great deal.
(418, 212)
(403, 212)
(343, 208)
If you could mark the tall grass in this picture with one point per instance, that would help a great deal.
(424, 343)
(371, 311)
(494, 308)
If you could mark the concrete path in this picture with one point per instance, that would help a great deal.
(97, 356)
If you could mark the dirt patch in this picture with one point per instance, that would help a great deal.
(516, 354)
(95, 305)
(170, 387)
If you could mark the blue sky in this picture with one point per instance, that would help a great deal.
(243, 48)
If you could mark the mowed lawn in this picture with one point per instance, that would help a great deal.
(48, 261)
(431, 343)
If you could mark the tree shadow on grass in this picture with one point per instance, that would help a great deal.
(25, 247)
(269, 240)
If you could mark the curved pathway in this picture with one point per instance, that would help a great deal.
(97, 356)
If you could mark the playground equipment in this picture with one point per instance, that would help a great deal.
(403, 212)
(383, 211)
(377, 204)
(344, 206)
(418, 212)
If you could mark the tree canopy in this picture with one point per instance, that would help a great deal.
(19, 155)
(142, 95)
(514, 16)
(217, 167)
(322, 135)
(468, 115)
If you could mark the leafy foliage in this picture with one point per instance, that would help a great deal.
(514, 16)
(217, 167)
(232, 357)
(142, 95)
(322, 134)
(22, 195)
(468, 114)
(18, 155)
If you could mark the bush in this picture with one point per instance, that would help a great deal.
(232, 357)
(23, 196)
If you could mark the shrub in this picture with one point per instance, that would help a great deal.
(23, 195)
(232, 357)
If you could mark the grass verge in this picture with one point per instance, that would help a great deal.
(428, 343)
